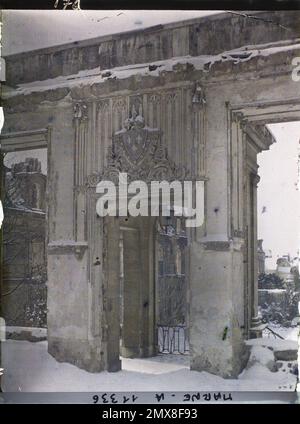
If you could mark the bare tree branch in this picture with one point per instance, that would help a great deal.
(258, 18)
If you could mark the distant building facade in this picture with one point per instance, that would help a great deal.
(25, 264)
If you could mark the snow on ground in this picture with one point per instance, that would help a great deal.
(34, 331)
(29, 367)
(276, 344)
(288, 333)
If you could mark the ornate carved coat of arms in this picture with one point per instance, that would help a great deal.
(138, 151)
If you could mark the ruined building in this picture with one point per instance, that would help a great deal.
(24, 256)
(186, 100)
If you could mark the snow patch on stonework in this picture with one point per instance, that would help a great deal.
(26, 333)
(263, 356)
(274, 344)
(156, 69)
(35, 331)
(288, 333)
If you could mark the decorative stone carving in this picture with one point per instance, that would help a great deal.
(138, 151)
(265, 134)
(119, 104)
(171, 97)
(80, 111)
(103, 105)
(199, 96)
(93, 179)
(255, 179)
(136, 120)
(239, 118)
(136, 102)
(154, 98)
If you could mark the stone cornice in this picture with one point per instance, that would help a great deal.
(220, 68)
(259, 135)
(146, 45)
(67, 247)
(12, 142)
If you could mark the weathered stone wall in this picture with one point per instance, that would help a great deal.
(202, 36)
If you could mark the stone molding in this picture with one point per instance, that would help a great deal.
(220, 246)
(23, 140)
(63, 247)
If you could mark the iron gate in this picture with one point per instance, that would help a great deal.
(172, 317)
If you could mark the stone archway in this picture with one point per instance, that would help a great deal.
(136, 150)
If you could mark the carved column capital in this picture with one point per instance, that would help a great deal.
(238, 117)
(80, 110)
(103, 105)
(255, 179)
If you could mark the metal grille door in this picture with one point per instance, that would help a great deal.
(172, 287)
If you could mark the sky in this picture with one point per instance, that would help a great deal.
(278, 199)
(33, 29)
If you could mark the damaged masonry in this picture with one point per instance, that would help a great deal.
(186, 101)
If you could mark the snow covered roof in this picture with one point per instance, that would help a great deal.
(203, 63)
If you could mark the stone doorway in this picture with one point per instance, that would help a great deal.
(153, 265)
(137, 287)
